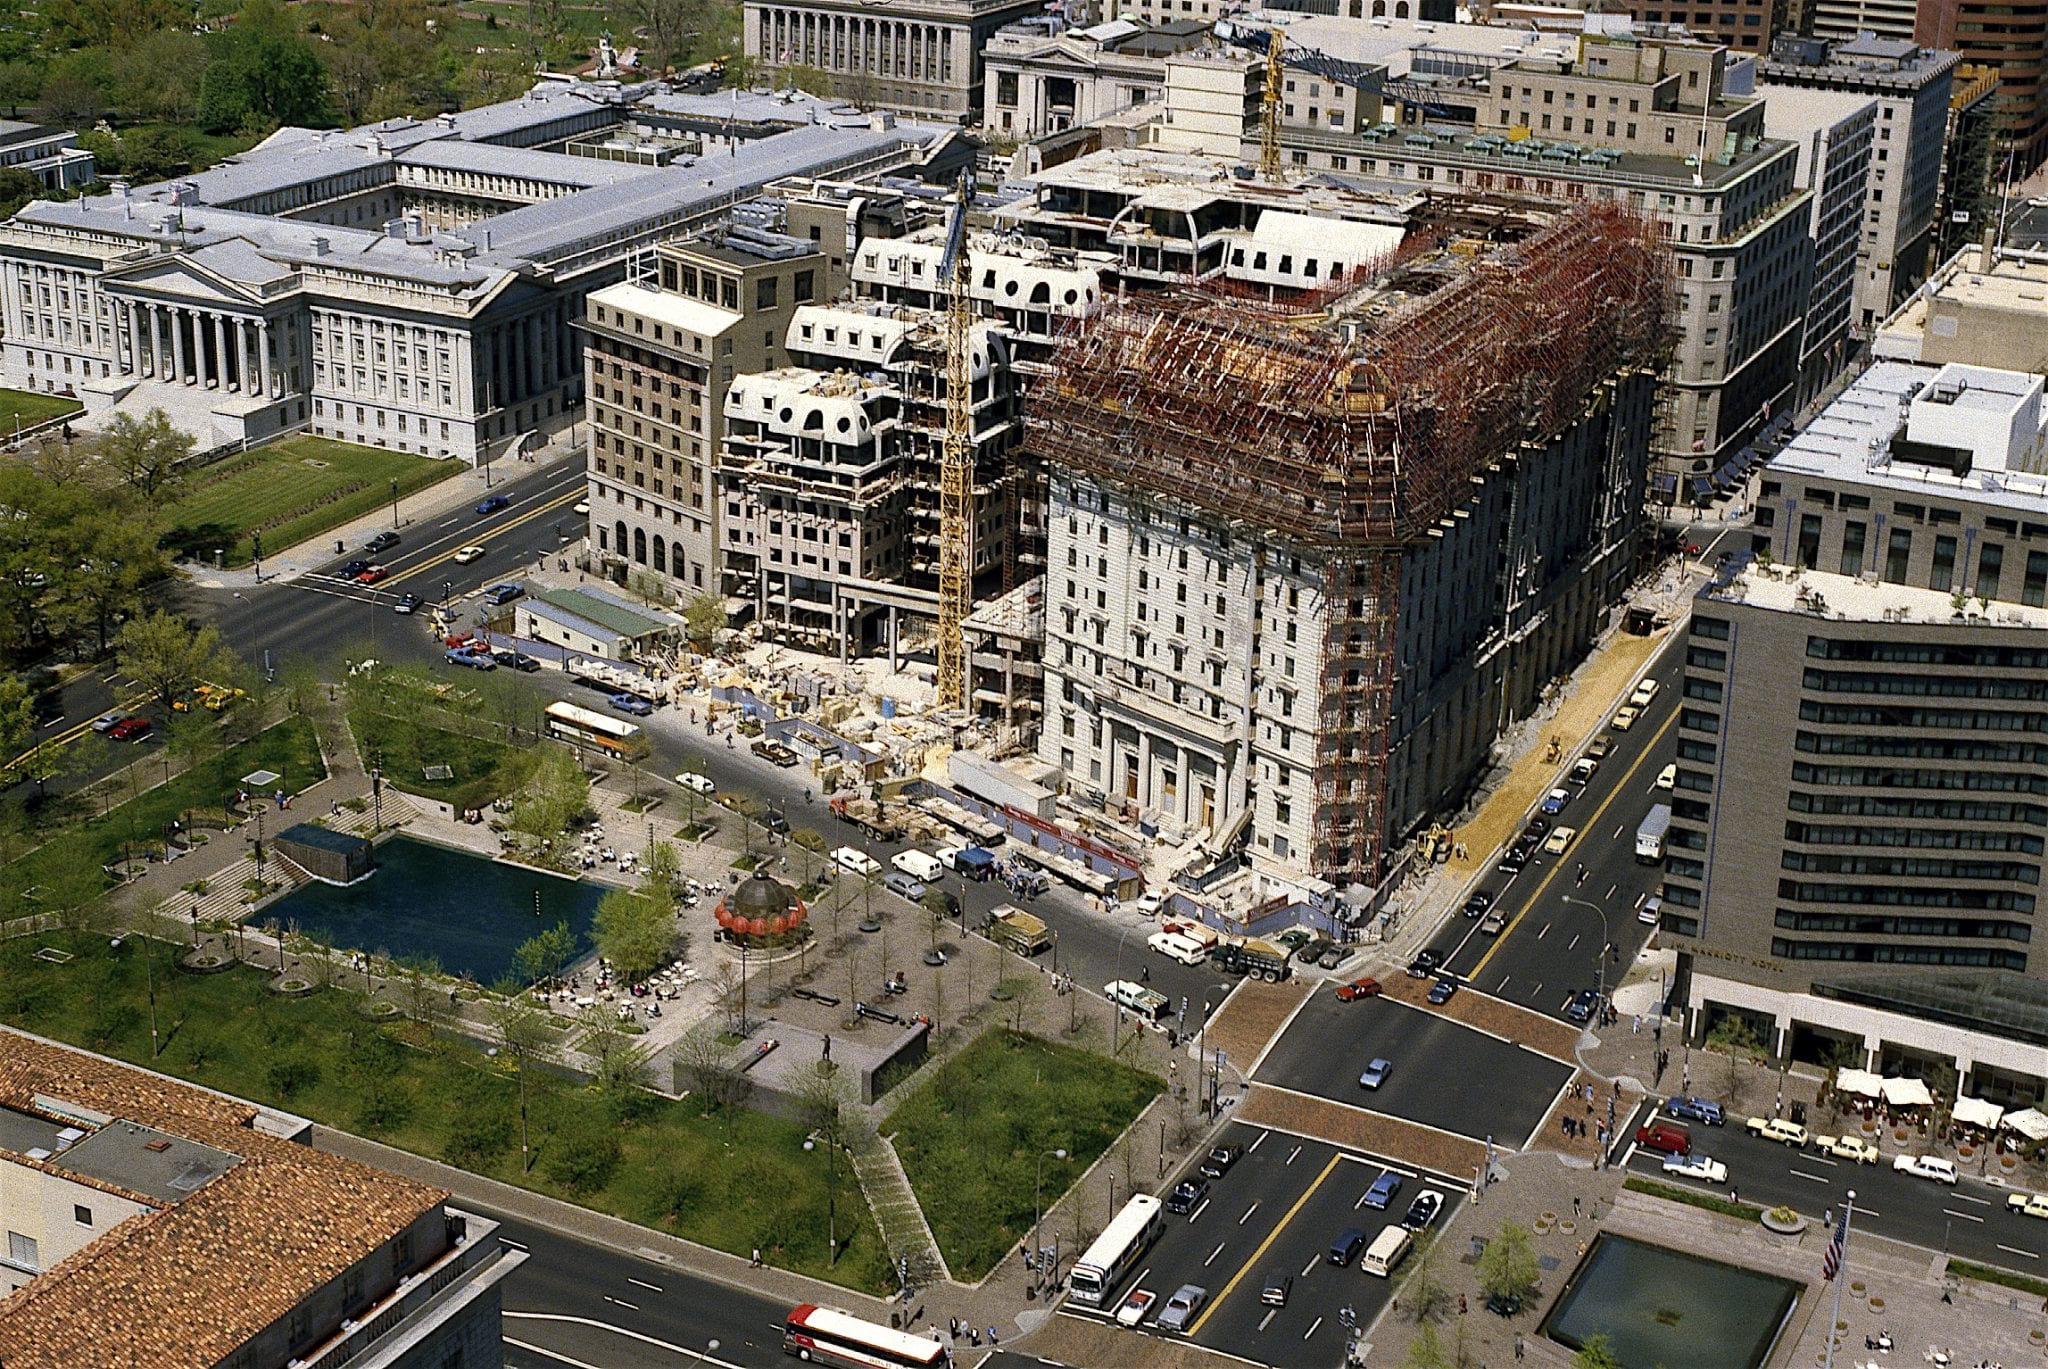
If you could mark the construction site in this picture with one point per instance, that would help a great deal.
(1434, 465)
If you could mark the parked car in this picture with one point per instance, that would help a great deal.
(905, 886)
(1383, 1191)
(631, 703)
(1517, 855)
(1345, 1248)
(1559, 839)
(1134, 1306)
(1375, 1074)
(1599, 747)
(1534, 830)
(1554, 802)
(855, 861)
(1182, 1306)
(1927, 1167)
(1582, 770)
(1279, 1283)
(1293, 939)
(1477, 903)
(1644, 692)
(1582, 1004)
(2031, 1204)
(1625, 717)
(1694, 1109)
(468, 554)
(381, 542)
(505, 593)
(1357, 989)
(1665, 1137)
(129, 730)
(493, 504)
(775, 822)
(1219, 1160)
(1496, 922)
(1777, 1129)
(1423, 1210)
(516, 661)
(690, 779)
(474, 657)
(107, 722)
(1187, 1194)
(1440, 992)
(406, 603)
(1424, 964)
(1331, 958)
(1701, 1167)
(1312, 951)
(1853, 1148)
(370, 575)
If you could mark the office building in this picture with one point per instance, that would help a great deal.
(1272, 625)
(1042, 77)
(2012, 40)
(1911, 85)
(1855, 849)
(150, 1222)
(918, 57)
(1986, 306)
(51, 155)
(1970, 166)
(1835, 132)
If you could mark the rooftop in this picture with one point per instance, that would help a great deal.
(1852, 599)
(1863, 60)
(188, 1283)
(600, 608)
(685, 313)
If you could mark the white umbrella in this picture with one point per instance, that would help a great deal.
(1975, 1112)
(2031, 1123)
(1907, 1093)
(1862, 1083)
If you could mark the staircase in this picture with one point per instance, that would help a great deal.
(895, 1205)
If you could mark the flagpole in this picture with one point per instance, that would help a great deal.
(1835, 1318)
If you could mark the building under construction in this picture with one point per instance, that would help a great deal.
(1309, 556)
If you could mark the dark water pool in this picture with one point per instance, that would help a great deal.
(1665, 1307)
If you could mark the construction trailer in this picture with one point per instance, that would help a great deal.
(1337, 434)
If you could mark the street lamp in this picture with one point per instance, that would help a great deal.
(394, 506)
(831, 1203)
(1037, 1196)
(1606, 940)
(1114, 1021)
(149, 978)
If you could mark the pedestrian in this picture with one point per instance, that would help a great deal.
(1461, 1304)
(1145, 977)
(1635, 1026)
(1827, 1220)
(953, 1327)
(1575, 1205)
(1735, 1195)
(1518, 1347)
(757, 1257)
(973, 1336)
(992, 1340)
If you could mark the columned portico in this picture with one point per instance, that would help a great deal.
(212, 349)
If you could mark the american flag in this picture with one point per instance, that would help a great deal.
(1831, 1262)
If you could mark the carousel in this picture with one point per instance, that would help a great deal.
(763, 913)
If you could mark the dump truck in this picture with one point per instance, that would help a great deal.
(1011, 926)
(1260, 959)
(865, 814)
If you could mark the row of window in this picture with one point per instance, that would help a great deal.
(1963, 655)
(1924, 719)
(1912, 838)
(1906, 867)
(1907, 896)
(1855, 924)
(1881, 954)
(1922, 747)
(1890, 777)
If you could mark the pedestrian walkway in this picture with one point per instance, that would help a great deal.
(905, 1233)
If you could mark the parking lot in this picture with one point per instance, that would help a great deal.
(1444, 1074)
(1277, 1212)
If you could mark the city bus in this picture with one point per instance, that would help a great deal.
(1097, 1273)
(822, 1336)
(585, 728)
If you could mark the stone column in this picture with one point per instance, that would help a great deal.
(134, 312)
(263, 357)
(220, 351)
(178, 346)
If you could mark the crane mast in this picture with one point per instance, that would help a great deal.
(956, 466)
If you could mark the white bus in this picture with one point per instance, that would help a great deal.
(822, 1336)
(1097, 1273)
(585, 728)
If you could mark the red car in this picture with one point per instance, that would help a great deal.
(1665, 1137)
(129, 729)
(372, 575)
(1357, 989)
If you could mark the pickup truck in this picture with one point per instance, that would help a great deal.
(1777, 1129)
(1847, 1148)
(2032, 1204)
(1927, 1167)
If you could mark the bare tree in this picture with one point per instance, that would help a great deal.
(620, 1057)
(526, 1033)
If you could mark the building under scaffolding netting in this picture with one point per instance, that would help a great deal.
(1309, 557)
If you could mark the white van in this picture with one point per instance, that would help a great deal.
(1645, 691)
(919, 865)
(1174, 946)
(1388, 1249)
(855, 861)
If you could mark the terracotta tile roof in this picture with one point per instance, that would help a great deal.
(188, 1284)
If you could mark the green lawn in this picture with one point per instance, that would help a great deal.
(289, 748)
(291, 491)
(405, 745)
(20, 409)
(734, 1180)
(970, 1138)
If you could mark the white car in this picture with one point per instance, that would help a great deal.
(1700, 1167)
(690, 779)
(1645, 691)
(1149, 904)
(468, 554)
(855, 861)
(1847, 1148)
(1135, 1307)
(2032, 1204)
(1559, 838)
(1927, 1167)
(1668, 776)
(581, 508)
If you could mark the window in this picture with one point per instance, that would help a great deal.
(1990, 560)
(81, 1214)
(1944, 572)
(1809, 541)
(22, 1250)
(764, 293)
(2036, 588)
(1897, 554)
(1852, 548)
(804, 286)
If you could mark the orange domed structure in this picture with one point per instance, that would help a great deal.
(761, 906)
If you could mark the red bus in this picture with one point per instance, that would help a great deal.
(822, 1336)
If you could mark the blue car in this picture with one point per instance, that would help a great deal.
(1555, 800)
(633, 704)
(475, 660)
(493, 504)
(1383, 1190)
(1703, 1110)
(503, 594)
(1375, 1074)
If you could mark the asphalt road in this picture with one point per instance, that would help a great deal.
(1276, 1212)
(1969, 1220)
(1445, 1075)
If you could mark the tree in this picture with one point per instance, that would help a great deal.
(824, 1107)
(1741, 1048)
(17, 718)
(711, 1061)
(104, 23)
(420, 985)
(164, 655)
(1426, 1351)
(1427, 1297)
(150, 154)
(1507, 1267)
(621, 1060)
(49, 760)
(541, 956)
(704, 619)
(1594, 1354)
(157, 77)
(20, 84)
(300, 679)
(526, 1034)
(661, 869)
(261, 66)
(144, 450)
(635, 932)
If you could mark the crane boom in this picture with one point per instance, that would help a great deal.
(1269, 115)
(956, 464)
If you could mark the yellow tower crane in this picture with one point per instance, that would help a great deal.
(956, 463)
(1269, 120)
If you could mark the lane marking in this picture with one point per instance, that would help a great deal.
(2015, 1250)
(1574, 944)
(1199, 1210)
(683, 1350)
(1966, 1216)
(631, 1307)
(1264, 1246)
(1310, 1267)
(1814, 1178)
(1253, 1148)
(507, 1240)
(1502, 986)
(1966, 1198)
(1312, 1328)
(1539, 935)
(1267, 1320)
(1248, 1214)
(1214, 1253)
(1598, 813)
(642, 1284)
(1291, 1158)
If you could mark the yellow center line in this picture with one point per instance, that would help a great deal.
(445, 557)
(1592, 823)
(1265, 1245)
(78, 729)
